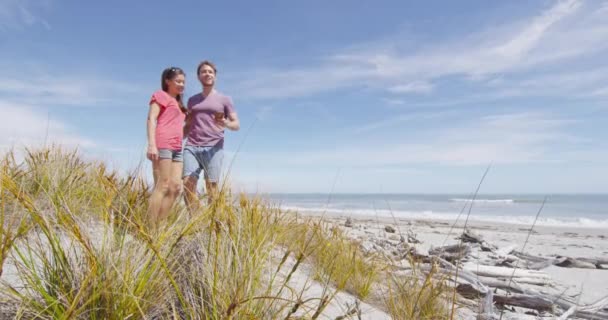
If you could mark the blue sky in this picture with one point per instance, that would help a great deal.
(332, 95)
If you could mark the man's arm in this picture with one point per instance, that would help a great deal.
(232, 122)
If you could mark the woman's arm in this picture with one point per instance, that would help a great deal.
(187, 124)
(151, 126)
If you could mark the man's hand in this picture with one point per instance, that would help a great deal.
(231, 122)
(222, 123)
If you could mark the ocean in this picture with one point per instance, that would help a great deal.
(580, 210)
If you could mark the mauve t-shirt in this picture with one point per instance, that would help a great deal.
(170, 121)
(204, 132)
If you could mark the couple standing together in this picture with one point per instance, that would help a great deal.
(202, 122)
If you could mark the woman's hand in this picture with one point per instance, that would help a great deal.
(152, 153)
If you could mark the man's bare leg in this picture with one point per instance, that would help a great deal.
(211, 191)
(190, 193)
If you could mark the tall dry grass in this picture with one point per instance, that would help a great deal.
(74, 234)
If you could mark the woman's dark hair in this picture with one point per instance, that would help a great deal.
(170, 74)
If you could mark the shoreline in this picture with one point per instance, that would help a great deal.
(474, 218)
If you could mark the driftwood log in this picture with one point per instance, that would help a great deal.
(486, 307)
(470, 237)
(472, 286)
(505, 272)
(531, 299)
(568, 313)
(527, 261)
(503, 284)
(525, 301)
(451, 253)
(480, 281)
(582, 263)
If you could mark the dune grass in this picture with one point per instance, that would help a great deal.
(418, 295)
(76, 237)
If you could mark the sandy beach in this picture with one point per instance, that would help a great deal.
(583, 285)
(384, 236)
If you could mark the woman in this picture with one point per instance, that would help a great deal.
(165, 134)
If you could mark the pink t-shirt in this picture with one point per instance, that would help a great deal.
(170, 122)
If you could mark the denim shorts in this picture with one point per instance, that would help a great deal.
(206, 159)
(175, 155)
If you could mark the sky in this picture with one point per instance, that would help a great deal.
(333, 96)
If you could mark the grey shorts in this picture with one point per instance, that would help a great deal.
(175, 155)
(207, 159)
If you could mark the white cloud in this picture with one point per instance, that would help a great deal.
(77, 90)
(527, 39)
(23, 125)
(394, 102)
(398, 119)
(567, 30)
(412, 87)
(17, 14)
(573, 83)
(263, 113)
(520, 138)
(601, 92)
(433, 160)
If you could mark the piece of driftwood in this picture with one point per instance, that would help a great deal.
(504, 284)
(536, 281)
(508, 257)
(581, 263)
(591, 315)
(528, 257)
(451, 253)
(568, 313)
(534, 277)
(532, 265)
(411, 237)
(595, 261)
(348, 223)
(537, 301)
(486, 306)
(504, 272)
(527, 261)
(595, 311)
(533, 302)
(473, 286)
(486, 310)
(566, 262)
(477, 281)
(525, 301)
(504, 251)
(470, 237)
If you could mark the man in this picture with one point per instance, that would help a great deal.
(209, 112)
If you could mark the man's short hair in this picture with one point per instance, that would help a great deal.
(206, 63)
